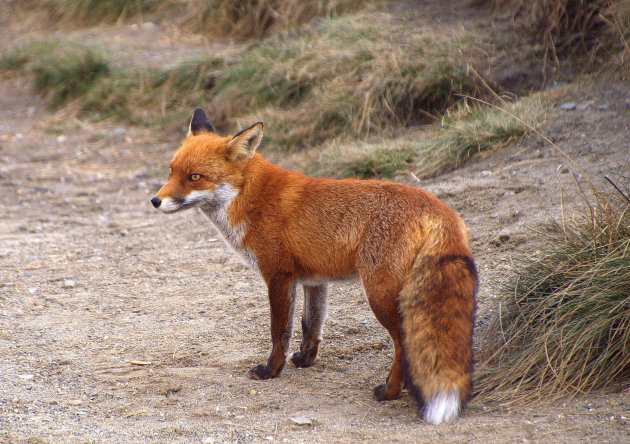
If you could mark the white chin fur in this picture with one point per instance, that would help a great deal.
(194, 199)
(168, 205)
(443, 407)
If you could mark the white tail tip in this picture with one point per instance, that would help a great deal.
(443, 407)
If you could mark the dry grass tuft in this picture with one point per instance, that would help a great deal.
(259, 18)
(564, 327)
(242, 19)
(95, 11)
(598, 30)
(464, 131)
(469, 129)
(362, 160)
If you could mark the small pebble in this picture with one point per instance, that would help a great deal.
(69, 283)
(569, 106)
(118, 134)
(301, 421)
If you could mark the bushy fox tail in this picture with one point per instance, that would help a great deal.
(437, 305)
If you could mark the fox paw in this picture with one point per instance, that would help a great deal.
(301, 360)
(261, 372)
(381, 394)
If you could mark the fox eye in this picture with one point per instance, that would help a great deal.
(195, 177)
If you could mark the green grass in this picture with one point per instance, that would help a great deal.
(64, 69)
(150, 96)
(563, 325)
(69, 71)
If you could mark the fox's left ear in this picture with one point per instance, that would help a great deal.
(244, 143)
(200, 123)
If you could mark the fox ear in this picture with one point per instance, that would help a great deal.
(200, 123)
(244, 143)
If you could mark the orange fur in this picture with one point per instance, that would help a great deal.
(407, 247)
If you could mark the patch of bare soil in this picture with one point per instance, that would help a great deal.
(122, 324)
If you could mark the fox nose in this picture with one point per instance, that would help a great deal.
(156, 201)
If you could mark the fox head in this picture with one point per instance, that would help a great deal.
(207, 170)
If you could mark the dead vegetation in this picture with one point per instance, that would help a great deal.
(563, 326)
(239, 20)
(592, 33)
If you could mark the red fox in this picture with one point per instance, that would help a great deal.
(408, 249)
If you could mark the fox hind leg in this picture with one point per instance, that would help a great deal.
(313, 317)
(383, 302)
(394, 383)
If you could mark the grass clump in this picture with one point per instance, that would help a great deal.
(464, 131)
(64, 69)
(468, 129)
(68, 70)
(259, 18)
(365, 160)
(592, 29)
(564, 326)
(148, 96)
(96, 11)
(347, 77)
(243, 19)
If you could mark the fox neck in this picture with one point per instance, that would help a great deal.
(228, 212)
(232, 233)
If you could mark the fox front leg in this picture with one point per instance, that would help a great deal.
(315, 305)
(282, 304)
